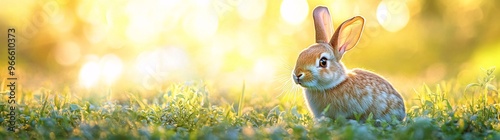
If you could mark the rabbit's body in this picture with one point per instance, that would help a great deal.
(361, 93)
(326, 81)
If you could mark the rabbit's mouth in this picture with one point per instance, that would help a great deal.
(305, 84)
(298, 79)
(304, 81)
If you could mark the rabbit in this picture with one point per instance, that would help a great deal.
(352, 94)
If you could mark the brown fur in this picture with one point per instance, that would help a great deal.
(349, 93)
(357, 79)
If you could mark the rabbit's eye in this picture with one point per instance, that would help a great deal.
(322, 62)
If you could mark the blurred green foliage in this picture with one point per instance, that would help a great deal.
(191, 111)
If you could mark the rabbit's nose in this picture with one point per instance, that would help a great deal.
(297, 78)
(300, 75)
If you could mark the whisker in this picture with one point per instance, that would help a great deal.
(283, 87)
(288, 89)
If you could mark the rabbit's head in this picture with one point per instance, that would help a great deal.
(319, 67)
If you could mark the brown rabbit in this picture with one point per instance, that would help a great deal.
(326, 81)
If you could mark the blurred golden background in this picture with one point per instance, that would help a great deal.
(90, 45)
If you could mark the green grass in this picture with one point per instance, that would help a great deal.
(187, 111)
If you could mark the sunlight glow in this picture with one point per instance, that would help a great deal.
(294, 11)
(341, 10)
(146, 20)
(67, 53)
(95, 33)
(140, 30)
(252, 9)
(92, 12)
(89, 74)
(264, 68)
(162, 64)
(393, 15)
(201, 24)
(111, 68)
(147, 69)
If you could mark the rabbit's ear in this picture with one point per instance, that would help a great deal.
(322, 24)
(347, 35)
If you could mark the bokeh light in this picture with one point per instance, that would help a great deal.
(202, 24)
(111, 68)
(89, 74)
(95, 33)
(224, 42)
(393, 15)
(146, 19)
(294, 11)
(252, 9)
(67, 53)
(159, 65)
(264, 68)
